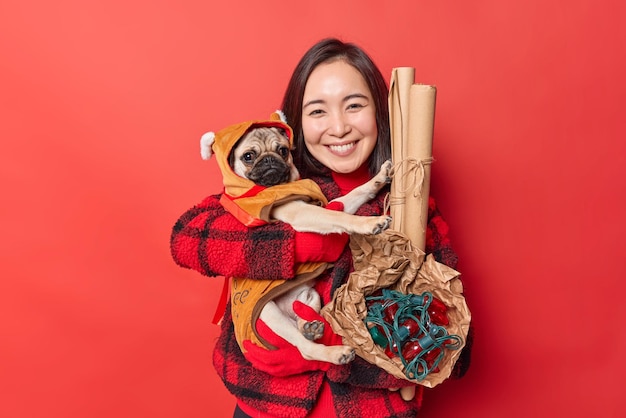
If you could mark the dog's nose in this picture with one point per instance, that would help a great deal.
(269, 171)
(270, 162)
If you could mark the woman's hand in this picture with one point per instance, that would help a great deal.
(312, 247)
(286, 359)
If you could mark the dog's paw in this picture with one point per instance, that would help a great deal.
(384, 174)
(312, 330)
(387, 169)
(370, 225)
(385, 222)
(346, 355)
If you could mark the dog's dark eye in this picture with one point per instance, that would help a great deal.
(283, 152)
(248, 157)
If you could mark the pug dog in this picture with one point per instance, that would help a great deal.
(263, 155)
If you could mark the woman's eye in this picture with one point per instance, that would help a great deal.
(355, 106)
(316, 112)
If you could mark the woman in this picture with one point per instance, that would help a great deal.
(336, 103)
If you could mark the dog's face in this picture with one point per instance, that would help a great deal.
(263, 155)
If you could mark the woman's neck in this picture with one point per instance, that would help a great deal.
(349, 181)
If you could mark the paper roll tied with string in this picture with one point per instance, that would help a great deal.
(395, 260)
(411, 120)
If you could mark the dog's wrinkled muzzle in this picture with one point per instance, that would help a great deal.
(269, 171)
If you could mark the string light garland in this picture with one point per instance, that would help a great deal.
(412, 328)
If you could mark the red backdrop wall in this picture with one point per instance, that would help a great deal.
(102, 106)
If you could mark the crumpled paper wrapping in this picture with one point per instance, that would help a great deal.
(390, 260)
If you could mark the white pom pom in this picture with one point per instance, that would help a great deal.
(282, 115)
(205, 145)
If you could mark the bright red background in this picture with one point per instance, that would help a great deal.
(102, 106)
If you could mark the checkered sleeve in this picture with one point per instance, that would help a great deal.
(211, 241)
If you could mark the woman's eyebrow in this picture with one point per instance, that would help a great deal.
(355, 96)
(345, 99)
(311, 102)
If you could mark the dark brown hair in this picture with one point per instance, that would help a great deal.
(324, 51)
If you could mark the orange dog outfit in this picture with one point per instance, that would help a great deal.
(252, 204)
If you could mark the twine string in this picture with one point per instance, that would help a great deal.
(410, 174)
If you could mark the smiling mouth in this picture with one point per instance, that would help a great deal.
(342, 148)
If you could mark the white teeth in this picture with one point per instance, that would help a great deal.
(341, 148)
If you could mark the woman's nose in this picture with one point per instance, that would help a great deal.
(339, 126)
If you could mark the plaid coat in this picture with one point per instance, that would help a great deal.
(211, 241)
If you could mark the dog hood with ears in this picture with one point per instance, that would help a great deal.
(250, 203)
(221, 144)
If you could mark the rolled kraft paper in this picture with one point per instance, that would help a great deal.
(419, 153)
(402, 78)
(411, 115)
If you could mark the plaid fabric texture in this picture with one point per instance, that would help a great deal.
(211, 241)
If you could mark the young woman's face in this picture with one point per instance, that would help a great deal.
(339, 117)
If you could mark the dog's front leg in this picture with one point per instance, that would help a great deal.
(367, 191)
(304, 217)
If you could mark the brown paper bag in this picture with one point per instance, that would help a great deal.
(390, 260)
